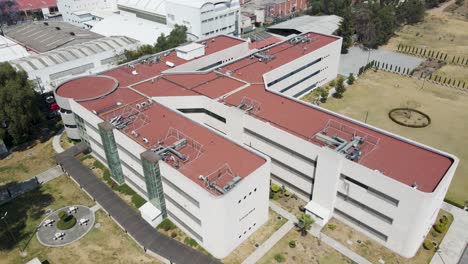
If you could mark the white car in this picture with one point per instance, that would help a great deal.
(49, 222)
(72, 209)
(59, 235)
(84, 221)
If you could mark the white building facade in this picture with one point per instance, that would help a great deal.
(77, 12)
(375, 181)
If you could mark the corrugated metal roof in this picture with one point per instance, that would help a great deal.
(71, 53)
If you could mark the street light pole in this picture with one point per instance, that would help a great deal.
(438, 253)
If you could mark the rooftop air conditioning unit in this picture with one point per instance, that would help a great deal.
(170, 64)
(145, 140)
(134, 133)
(138, 106)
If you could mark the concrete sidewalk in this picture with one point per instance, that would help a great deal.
(451, 248)
(56, 142)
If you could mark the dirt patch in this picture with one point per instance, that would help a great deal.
(428, 67)
(308, 250)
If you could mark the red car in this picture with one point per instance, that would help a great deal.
(54, 107)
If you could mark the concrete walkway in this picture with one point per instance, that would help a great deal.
(441, 7)
(49, 174)
(56, 142)
(451, 248)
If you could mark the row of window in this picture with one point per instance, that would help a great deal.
(361, 225)
(250, 228)
(294, 72)
(300, 81)
(292, 187)
(364, 207)
(373, 191)
(182, 209)
(217, 30)
(281, 147)
(216, 18)
(181, 192)
(245, 197)
(184, 225)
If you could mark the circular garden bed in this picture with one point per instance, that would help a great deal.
(409, 117)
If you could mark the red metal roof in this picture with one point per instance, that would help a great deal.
(25, 5)
(90, 86)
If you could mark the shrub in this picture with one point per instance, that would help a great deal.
(301, 208)
(190, 242)
(166, 225)
(332, 83)
(138, 201)
(276, 197)
(443, 220)
(331, 227)
(287, 194)
(440, 228)
(275, 188)
(292, 243)
(125, 189)
(68, 222)
(351, 79)
(294, 196)
(62, 215)
(279, 257)
(173, 234)
(428, 245)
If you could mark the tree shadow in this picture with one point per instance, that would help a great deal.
(23, 217)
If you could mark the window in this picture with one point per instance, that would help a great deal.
(361, 225)
(373, 191)
(364, 207)
(294, 72)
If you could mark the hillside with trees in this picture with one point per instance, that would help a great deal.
(374, 22)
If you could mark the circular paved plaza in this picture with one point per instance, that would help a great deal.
(46, 234)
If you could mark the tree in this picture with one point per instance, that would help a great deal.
(340, 88)
(177, 36)
(8, 13)
(346, 30)
(19, 104)
(161, 43)
(305, 223)
(410, 12)
(351, 79)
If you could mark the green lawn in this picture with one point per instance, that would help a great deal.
(107, 244)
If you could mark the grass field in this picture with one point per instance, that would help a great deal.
(373, 251)
(437, 32)
(24, 164)
(260, 236)
(106, 244)
(308, 250)
(454, 72)
(377, 93)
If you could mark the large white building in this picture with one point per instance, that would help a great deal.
(203, 18)
(200, 130)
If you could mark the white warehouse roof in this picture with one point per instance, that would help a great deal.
(319, 24)
(152, 6)
(10, 50)
(63, 55)
(140, 29)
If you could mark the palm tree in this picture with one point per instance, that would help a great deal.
(305, 223)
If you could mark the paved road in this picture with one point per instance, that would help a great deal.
(441, 7)
(358, 57)
(456, 239)
(147, 236)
